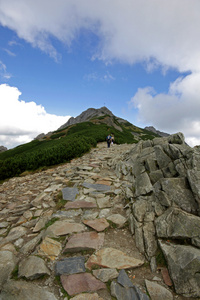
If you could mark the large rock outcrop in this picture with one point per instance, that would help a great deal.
(3, 149)
(164, 205)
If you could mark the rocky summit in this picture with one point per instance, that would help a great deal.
(117, 223)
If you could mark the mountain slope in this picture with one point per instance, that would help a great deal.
(70, 141)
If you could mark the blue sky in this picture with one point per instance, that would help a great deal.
(140, 59)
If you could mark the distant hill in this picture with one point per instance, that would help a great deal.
(71, 140)
(151, 128)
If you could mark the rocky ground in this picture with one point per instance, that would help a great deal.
(64, 234)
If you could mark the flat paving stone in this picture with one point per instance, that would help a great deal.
(104, 202)
(79, 283)
(97, 224)
(64, 227)
(50, 248)
(105, 274)
(80, 204)
(70, 193)
(71, 265)
(97, 187)
(87, 296)
(113, 258)
(104, 182)
(85, 241)
(117, 219)
(68, 214)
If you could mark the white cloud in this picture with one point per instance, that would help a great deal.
(21, 121)
(178, 110)
(157, 33)
(3, 71)
(9, 52)
(107, 77)
(130, 30)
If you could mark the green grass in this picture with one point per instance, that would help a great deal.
(50, 222)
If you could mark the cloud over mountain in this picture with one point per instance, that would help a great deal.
(21, 121)
(162, 34)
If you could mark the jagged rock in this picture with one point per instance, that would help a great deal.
(177, 192)
(124, 289)
(3, 149)
(8, 262)
(30, 245)
(139, 237)
(157, 291)
(150, 239)
(140, 208)
(32, 268)
(177, 138)
(184, 267)
(162, 159)
(143, 185)
(193, 178)
(14, 234)
(22, 290)
(177, 224)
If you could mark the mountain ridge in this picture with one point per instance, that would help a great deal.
(87, 115)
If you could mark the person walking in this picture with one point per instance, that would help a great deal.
(109, 139)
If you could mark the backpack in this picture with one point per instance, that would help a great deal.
(108, 139)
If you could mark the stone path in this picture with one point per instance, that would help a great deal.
(64, 235)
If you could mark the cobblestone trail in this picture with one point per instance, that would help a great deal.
(64, 234)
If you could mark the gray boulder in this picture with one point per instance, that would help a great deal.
(177, 224)
(184, 267)
(32, 267)
(8, 262)
(22, 290)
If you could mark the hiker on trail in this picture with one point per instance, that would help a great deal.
(109, 139)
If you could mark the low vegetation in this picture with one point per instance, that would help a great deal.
(62, 146)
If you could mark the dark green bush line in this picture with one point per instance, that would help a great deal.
(60, 148)
(61, 153)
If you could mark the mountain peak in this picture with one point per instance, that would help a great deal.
(87, 115)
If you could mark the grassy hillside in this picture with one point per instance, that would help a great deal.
(64, 145)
